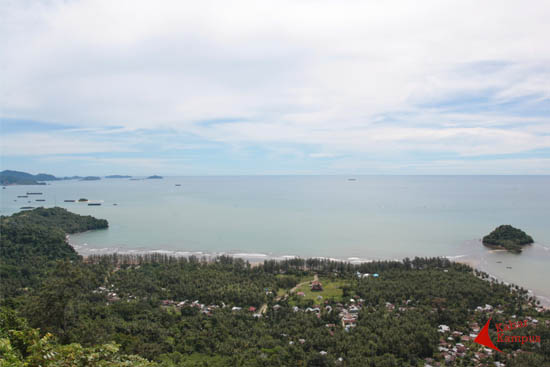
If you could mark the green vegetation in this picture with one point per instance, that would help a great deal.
(21, 346)
(332, 289)
(154, 177)
(32, 240)
(509, 238)
(156, 310)
(55, 217)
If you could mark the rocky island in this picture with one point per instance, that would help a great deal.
(508, 238)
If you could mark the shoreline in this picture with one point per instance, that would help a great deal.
(256, 259)
(475, 264)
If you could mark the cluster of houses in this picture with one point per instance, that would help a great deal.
(111, 294)
(455, 344)
(348, 313)
(207, 309)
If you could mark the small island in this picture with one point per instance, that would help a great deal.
(154, 177)
(90, 178)
(508, 238)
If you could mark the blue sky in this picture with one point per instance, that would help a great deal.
(286, 87)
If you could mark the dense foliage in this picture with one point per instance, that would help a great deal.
(508, 237)
(32, 240)
(21, 346)
(55, 218)
(156, 310)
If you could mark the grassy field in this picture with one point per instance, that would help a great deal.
(281, 292)
(331, 289)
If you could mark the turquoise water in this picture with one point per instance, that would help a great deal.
(374, 217)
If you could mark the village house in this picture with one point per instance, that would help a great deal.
(316, 286)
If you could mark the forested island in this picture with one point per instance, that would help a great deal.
(59, 309)
(508, 237)
(8, 177)
(154, 177)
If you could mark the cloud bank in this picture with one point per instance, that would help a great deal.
(278, 87)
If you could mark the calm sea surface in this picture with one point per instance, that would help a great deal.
(373, 217)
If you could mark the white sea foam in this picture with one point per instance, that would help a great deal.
(246, 255)
(455, 257)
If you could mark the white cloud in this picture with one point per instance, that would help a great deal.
(306, 72)
(36, 144)
(322, 155)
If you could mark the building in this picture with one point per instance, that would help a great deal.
(316, 286)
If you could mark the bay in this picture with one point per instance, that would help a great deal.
(356, 218)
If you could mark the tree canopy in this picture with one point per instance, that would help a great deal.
(508, 237)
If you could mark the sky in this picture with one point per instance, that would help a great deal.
(275, 87)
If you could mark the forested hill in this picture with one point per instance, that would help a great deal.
(55, 218)
(8, 177)
(32, 239)
(38, 235)
(508, 237)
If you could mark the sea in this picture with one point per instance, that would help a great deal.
(348, 218)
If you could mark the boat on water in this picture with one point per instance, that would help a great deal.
(40, 200)
(178, 184)
(22, 196)
(82, 200)
(27, 207)
(34, 193)
(94, 204)
(69, 201)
